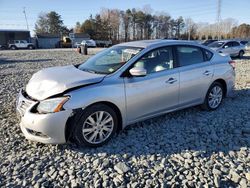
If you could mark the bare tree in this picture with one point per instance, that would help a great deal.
(138, 24)
(190, 29)
(126, 21)
(206, 30)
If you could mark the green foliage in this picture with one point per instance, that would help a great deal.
(51, 23)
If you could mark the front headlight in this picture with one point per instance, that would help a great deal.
(52, 105)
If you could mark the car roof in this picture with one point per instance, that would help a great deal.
(156, 42)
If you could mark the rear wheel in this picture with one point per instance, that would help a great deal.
(30, 47)
(214, 97)
(13, 47)
(97, 125)
(241, 53)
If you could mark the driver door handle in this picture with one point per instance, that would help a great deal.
(207, 73)
(171, 80)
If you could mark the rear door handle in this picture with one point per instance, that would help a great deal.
(207, 73)
(171, 80)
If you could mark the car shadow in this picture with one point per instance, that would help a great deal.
(189, 129)
(11, 61)
(242, 58)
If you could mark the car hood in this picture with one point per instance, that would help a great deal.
(55, 80)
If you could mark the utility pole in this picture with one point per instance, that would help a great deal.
(218, 17)
(26, 18)
(189, 25)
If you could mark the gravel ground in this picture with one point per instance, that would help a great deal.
(188, 148)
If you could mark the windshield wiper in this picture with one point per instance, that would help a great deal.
(93, 71)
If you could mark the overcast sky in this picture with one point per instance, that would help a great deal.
(12, 17)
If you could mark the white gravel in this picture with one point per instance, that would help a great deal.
(188, 148)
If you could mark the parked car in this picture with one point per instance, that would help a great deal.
(2, 47)
(209, 41)
(228, 47)
(90, 43)
(21, 44)
(103, 43)
(119, 86)
(77, 44)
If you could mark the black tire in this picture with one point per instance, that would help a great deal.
(78, 132)
(13, 47)
(241, 53)
(206, 105)
(30, 47)
(3, 47)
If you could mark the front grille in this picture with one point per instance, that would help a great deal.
(24, 102)
(24, 105)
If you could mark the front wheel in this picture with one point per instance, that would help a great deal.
(97, 125)
(214, 97)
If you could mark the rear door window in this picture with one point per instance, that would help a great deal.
(228, 45)
(189, 55)
(235, 44)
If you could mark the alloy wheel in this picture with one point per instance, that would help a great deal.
(241, 54)
(98, 127)
(215, 97)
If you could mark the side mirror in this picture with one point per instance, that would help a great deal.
(138, 71)
(225, 46)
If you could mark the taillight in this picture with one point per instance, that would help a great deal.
(232, 63)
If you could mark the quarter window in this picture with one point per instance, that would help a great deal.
(157, 60)
(208, 55)
(189, 55)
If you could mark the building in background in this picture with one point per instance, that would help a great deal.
(8, 36)
(47, 40)
(57, 41)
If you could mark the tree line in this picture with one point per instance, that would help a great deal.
(131, 24)
(139, 24)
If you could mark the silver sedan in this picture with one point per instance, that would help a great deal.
(121, 85)
(228, 47)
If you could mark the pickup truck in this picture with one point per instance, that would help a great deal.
(21, 44)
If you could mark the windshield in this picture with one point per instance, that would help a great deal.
(216, 44)
(109, 60)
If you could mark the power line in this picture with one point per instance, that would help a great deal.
(5, 24)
